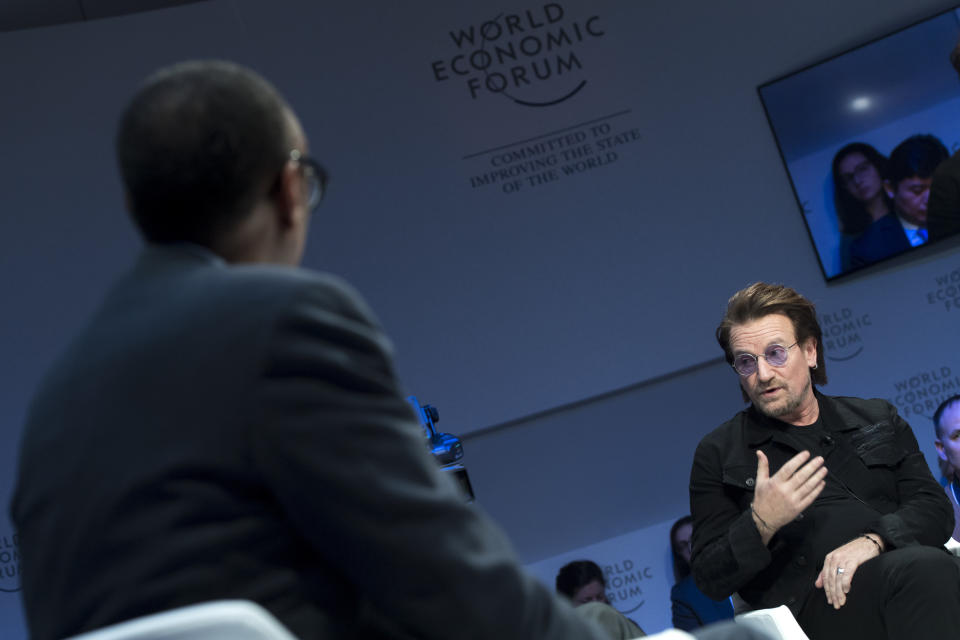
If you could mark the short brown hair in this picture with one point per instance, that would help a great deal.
(761, 299)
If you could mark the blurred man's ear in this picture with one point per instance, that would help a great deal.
(288, 194)
(889, 189)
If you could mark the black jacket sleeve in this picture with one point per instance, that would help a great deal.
(348, 463)
(727, 549)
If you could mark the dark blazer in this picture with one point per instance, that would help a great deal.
(868, 449)
(227, 431)
(943, 208)
(882, 239)
(692, 609)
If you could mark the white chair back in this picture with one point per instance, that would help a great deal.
(953, 547)
(778, 622)
(217, 620)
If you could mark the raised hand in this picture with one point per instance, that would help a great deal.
(779, 499)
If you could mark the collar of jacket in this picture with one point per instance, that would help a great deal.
(761, 428)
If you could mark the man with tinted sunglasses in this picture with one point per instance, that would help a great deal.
(824, 504)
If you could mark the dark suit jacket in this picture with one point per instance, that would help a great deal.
(238, 432)
(692, 609)
(882, 239)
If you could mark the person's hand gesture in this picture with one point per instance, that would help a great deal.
(840, 565)
(780, 498)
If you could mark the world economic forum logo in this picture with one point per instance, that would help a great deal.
(843, 331)
(533, 57)
(921, 393)
(625, 581)
(9, 563)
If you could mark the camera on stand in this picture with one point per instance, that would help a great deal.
(445, 447)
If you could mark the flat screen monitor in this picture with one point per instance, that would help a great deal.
(864, 137)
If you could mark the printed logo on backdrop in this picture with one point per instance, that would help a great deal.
(9, 563)
(533, 57)
(920, 394)
(625, 581)
(946, 291)
(843, 332)
(552, 157)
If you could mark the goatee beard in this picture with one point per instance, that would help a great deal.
(792, 404)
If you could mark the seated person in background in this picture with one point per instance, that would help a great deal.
(943, 210)
(824, 504)
(229, 425)
(691, 608)
(946, 421)
(907, 183)
(582, 581)
(858, 194)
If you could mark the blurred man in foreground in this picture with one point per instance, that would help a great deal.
(228, 425)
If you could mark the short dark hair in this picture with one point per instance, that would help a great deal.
(938, 414)
(197, 145)
(955, 57)
(761, 299)
(851, 212)
(681, 569)
(575, 575)
(917, 156)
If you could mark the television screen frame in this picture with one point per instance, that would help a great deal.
(880, 92)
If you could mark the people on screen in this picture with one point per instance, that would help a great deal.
(858, 193)
(907, 180)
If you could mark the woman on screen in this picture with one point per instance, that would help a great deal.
(858, 194)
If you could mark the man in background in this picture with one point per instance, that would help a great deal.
(228, 425)
(946, 422)
(907, 182)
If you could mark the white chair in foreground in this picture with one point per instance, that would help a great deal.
(217, 620)
(671, 634)
(778, 622)
(953, 547)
